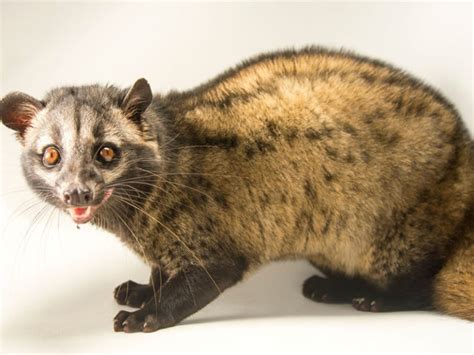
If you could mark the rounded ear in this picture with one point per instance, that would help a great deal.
(17, 110)
(137, 100)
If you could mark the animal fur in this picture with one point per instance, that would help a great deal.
(325, 155)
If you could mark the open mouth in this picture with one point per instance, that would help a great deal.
(84, 214)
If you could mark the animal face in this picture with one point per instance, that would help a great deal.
(85, 147)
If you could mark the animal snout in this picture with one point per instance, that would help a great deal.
(78, 196)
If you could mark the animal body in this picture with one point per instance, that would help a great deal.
(318, 154)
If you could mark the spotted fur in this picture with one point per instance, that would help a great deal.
(325, 155)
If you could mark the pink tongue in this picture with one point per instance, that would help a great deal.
(79, 211)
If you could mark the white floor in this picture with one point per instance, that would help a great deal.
(57, 297)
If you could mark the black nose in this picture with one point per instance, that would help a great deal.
(77, 197)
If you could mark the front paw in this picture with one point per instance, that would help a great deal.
(133, 294)
(138, 321)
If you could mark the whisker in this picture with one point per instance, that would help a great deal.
(23, 208)
(191, 147)
(27, 236)
(118, 194)
(177, 238)
(159, 188)
(189, 287)
(179, 184)
(24, 190)
(44, 228)
(144, 256)
(169, 141)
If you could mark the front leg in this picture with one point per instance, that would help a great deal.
(183, 294)
(133, 294)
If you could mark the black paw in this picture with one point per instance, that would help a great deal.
(325, 290)
(138, 321)
(132, 294)
(369, 304)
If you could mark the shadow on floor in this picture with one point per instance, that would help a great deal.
(87, 306)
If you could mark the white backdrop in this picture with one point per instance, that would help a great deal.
(57, 281)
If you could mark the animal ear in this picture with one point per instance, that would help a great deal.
(17, 109)
(137, 100)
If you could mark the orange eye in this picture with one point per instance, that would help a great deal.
(50, 156)
(107, 154)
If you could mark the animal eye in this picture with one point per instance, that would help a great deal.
(107, 154)
(51, 156)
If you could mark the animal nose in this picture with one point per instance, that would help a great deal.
(78, 197)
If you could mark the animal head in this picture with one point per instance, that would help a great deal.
(86, 147)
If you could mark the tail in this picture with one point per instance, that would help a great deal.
(454, 284)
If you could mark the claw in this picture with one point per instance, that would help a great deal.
(139, 321)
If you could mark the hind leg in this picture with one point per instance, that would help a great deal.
(336, 288)
(333, 289)
(393, 300)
